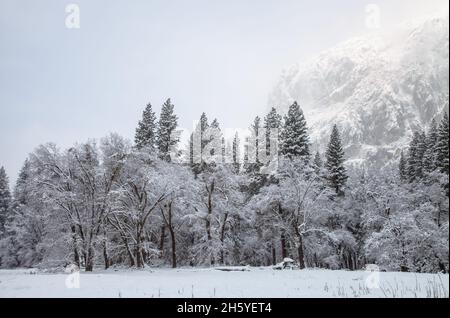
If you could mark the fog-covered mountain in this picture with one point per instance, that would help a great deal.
(378, 88)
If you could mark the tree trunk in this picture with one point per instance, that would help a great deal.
(222, 238)
(301, 255)
(172, 237)
(76, 255)
(274, 256)
(174, 248)
(105, 249)
(162, 238)
(283, 246)
(208, 218)
(90, 259)
(105, 255)
(139, 256)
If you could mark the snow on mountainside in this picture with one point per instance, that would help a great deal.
(378, 88)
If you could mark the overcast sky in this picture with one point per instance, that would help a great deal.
(222, 57)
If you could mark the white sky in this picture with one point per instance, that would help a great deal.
(221, 57)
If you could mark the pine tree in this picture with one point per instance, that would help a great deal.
(5, 199)
(203, 126)
(215, 126)
(167, 125)
(253, 164)
(442, 160)
(421, 148)
(429, 156)
(236, 153)
(403, 167)
(337, 175)
(197, 145)
(146, 131)
(415, 157)
(273, 120)
(294, 135)
(317, 163)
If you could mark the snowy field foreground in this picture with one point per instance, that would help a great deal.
(245, 283)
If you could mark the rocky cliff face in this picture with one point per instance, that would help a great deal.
(379, 89)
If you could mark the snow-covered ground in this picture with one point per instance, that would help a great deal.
(252, 282)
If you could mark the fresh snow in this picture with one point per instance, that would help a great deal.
(378, 88)
(261, 282)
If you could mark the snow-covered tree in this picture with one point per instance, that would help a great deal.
(166, 132)
(294, 134)
(146, 131)
(79, 183)
(273, 120)
(236, 153)
(197, 145)
(252, 163)
(337, 175)
(403, 167)
(293, 205)
(442, 159)
(429, 156)
(318, 163)
(29, 230)
(5, 199)
(141, 190)
(221, 200)
(415, 156)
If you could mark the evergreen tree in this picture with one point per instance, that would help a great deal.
(167, 125)
(273, 120)
(442, 160)
(236, 153)
(196, 151)
(5, 199)
(203, 126)
(294, 135)
(429, 156)
(215, 126)
(415, 157)
(403, 167)
(317, 163)
(337, 175)
(253, 164)
(146, 131)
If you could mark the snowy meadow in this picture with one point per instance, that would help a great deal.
(241, 282)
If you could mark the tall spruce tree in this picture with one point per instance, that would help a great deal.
(215, 126)
(5, 199)
(403, 167)
(203, 126)
(429, 156)
(317, 163)
(273, 120)
(167, 126)
(442, 160)
(337, 175)
(253, 164)
(236, 153)
(415, 157)
(294, 135)
(146, 131)
(21, 189)
(197, 145)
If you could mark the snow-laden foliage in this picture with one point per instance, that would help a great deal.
(109, 203)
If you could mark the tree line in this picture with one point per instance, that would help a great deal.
(116, 203)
